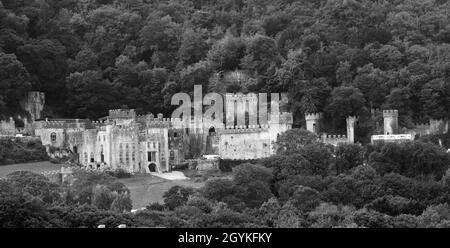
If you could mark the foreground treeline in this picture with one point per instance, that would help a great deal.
(31, 200)
(21, 150)
(340, 57)
(306, 184)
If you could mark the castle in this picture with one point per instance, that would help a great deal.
(313, 121)
(148, 143)
(390, 130)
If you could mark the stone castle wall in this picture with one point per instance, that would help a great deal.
(245, 144)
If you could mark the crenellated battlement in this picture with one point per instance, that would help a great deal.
(232, 97)
(334, 136)
(64, 123)
(390, 112)
(122, 114)
(244, 129)
(313, 116)
(422, 125)
(53, 124)
(334, 139)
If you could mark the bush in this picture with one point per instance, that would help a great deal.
(372, 219)
(227, 165)
(21, 150)
(177, 196)
(119, 173)
(348, 156)
(306, 198)
(396, 205)
(36, 185)
(411, 159)
(217, 189)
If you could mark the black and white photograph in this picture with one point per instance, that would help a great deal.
(256, 115)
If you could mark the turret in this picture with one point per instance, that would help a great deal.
(390, 117)
(313, 122)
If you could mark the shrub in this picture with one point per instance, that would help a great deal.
(119, 173)
(306, 198)
(177, 196)
(21, 150)
(217, 189)
(396, 205)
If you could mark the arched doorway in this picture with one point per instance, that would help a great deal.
(212, 131)
(152, 167)
(210, 141)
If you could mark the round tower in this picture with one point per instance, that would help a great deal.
(313, 122)
(390, 117)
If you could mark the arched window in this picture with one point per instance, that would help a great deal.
(86, 158)
(53, 137)
(92, 157)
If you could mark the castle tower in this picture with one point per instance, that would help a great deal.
(390, 117)
(313, 122)
(351, 121)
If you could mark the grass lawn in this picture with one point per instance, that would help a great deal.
(37, 167)
(146, 189)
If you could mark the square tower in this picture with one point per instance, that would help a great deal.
(390, 117)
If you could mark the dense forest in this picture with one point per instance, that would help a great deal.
(340, 57)
(306, 184)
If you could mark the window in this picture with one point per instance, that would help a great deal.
(151, 156)
(86, 158)
(127, 154)
(53, 137)
(102, 155)
(92, 157)
(120, 153)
